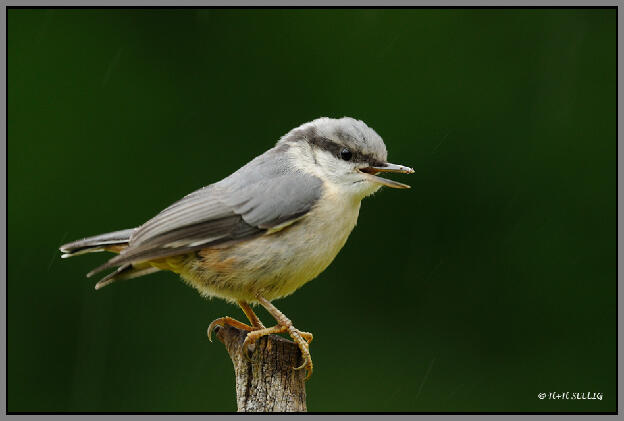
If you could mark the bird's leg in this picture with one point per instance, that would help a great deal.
(256, 324)
(302, 339)
(255, 321)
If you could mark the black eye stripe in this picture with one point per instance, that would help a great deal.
(336, 149)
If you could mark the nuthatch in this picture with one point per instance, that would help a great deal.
(265, 230)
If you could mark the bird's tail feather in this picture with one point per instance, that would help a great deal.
(127, 271)
(112, 241)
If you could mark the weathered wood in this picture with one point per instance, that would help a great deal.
(268, 383)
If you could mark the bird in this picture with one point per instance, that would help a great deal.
(265, 230)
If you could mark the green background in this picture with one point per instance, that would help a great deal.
(493, 279)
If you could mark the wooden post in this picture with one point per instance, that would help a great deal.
(268, 383)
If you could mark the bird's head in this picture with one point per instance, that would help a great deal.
(343, 152)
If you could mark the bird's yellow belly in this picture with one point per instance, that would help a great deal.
(276, 264)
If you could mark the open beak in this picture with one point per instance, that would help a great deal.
(373, 170)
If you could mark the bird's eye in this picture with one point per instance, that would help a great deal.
(346, 154)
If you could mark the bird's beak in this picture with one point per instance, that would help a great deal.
(387, 167)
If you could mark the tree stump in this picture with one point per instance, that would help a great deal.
(268, 383)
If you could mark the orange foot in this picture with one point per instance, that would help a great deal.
(222, 321)
(256, 324)
(302, 339)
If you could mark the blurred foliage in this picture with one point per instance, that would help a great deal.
(492, 280)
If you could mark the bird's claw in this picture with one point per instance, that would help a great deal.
(211, 327)
(307, 336)
(245, 348)
(307, 364)
(256, 334)
(303, 339)
(222, 321)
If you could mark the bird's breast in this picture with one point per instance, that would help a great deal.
(278, 263)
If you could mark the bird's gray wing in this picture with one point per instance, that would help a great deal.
(263, 194)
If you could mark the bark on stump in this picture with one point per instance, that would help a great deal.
(268, 383)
